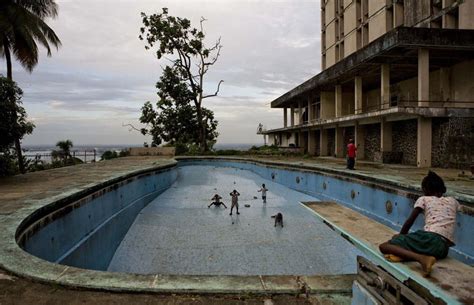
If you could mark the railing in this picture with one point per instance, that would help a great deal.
(399, 103)
(85, 156)
(415, 104)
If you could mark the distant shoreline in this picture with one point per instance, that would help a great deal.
(46, 148)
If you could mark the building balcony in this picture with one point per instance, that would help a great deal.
(396, 110)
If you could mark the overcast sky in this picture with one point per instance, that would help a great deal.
(102, 74)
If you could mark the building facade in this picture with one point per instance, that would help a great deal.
(397, 77)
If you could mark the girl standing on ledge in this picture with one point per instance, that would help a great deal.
(433, 242)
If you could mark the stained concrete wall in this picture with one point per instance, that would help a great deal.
(331, 142)
(462, 85)
(404, 139)
(318, 143)
(378, 24)
(416, 11)
(466, 10)
(453, 140)
(371, 99)
(287, 139)
(348, 103)
(331, 56)
(372, 142)
(327, 105)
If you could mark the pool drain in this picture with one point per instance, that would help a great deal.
(388, 207)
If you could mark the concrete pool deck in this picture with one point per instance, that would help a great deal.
(24, 193)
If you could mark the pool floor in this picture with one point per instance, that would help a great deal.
(178, 234)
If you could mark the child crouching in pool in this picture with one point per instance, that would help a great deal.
(433, 242)
(216, 200)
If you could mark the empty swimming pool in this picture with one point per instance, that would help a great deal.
(177, 233)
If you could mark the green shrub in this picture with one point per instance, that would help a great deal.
(107, 155)
(124, 153)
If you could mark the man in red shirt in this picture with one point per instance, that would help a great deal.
(351, 154)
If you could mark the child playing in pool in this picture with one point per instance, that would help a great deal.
(235, 201)
(433, 242)
(264, 193)
(216, 200)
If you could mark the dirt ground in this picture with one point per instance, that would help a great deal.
(15, 291)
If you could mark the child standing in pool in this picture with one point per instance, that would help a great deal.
(235, 201)
(264, 193)
(433, 242)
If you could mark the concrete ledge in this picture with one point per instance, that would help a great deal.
(450, 280)
(152, 151)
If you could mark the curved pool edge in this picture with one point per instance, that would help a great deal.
(15, 260)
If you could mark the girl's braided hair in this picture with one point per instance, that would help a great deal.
(433, 184)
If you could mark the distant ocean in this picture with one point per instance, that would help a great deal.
(86, 152)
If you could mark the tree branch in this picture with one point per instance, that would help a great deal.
(201, 22)
(217, 91)
(131, 127)
(217, 47)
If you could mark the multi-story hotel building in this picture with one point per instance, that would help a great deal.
(398, 78)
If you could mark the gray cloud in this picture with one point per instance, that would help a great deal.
(102, 75)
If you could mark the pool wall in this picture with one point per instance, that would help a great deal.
(388, 205)
(86, 233)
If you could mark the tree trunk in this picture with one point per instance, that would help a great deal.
(8, 57)
(202, 138)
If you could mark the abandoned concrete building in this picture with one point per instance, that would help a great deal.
(398, 78)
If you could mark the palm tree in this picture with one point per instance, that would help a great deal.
(65, 147)
(21, 27)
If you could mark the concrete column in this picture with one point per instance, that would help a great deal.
(423, 77)
(358, 95)
(359, 141)
(339, 142)
(310, 111)
(385, 86)
(338, 101)
(285, 117)
(445, 83)
(300, 112)
(423, 147)
(311, 142)
(292, 116)
(323, 142)
(385, 136)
